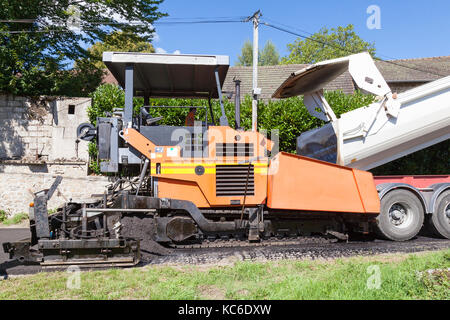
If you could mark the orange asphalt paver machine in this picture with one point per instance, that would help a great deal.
(191, 184)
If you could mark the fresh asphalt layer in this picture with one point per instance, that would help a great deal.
(231, 254)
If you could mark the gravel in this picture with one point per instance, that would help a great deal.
(304, 251)
(156, 254)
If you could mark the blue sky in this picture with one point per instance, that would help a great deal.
(409, 29)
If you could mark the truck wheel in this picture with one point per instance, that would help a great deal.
(401, 216)
(439, 221)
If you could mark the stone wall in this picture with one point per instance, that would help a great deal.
(20, 180)
(43, 128)
(37, 143)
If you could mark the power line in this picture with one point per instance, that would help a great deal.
(195, 20)
(107, 21)
(44, 31)
(114, 23)
(138, 23)
(18, 21)
(348, 50)
(290, 27)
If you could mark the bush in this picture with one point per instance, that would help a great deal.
(15, 219)
(104, 99)
(3, 216)
(93, 153)
(432, 160)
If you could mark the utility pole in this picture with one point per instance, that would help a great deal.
(256, 91)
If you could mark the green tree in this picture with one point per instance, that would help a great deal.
(118, 41)
(105, 98)
(246, 57)
(268, 56)
(327, 44)
(39, 41)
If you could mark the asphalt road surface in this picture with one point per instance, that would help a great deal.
(6, 266)
(10, 235)
(259, 253)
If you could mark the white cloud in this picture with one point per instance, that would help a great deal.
(161, 50)
(155, 37)
(117, 17)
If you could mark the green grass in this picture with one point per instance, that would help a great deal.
(401, 275)
(3, 215)
(15, 219)
(18, 217)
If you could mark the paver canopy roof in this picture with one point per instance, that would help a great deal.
(169, 75)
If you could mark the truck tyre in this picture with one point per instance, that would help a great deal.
(438, 223)
(401, 216)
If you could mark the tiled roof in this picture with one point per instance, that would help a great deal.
(415, 70)
(109, 78)
(271, 77)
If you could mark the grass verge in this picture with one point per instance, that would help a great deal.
(401, 276)
(15, 219)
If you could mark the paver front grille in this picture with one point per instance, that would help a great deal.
(231, 180)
